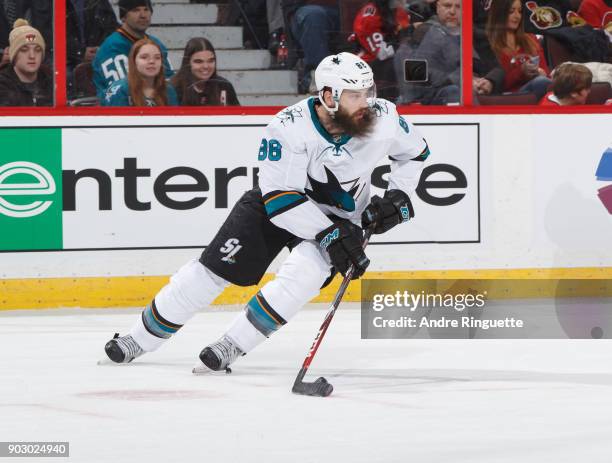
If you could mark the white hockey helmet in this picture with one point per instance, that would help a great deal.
(344, 71)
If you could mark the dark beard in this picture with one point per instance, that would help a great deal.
(353, 126)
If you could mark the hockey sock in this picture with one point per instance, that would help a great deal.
(191, 289)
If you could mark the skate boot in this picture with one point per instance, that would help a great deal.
(218, 356)
(123, 349)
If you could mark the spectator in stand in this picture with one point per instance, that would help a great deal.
(597, 13)
(145, 84)
(197, 82)
(420, 11)
(110, 63)
(4, 26)
(311, 22)
(40, 13)
(377, 27)
(519, 53)
(440, 47)
(88, 23)
(22, 81)
(4, 59)
(571, 85)
(488, 74)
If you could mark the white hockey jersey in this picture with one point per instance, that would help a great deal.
(305, 174)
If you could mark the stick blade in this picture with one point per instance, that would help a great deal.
(318, 388)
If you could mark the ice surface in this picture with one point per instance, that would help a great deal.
(394, 400)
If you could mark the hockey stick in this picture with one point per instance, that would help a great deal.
(320, 387)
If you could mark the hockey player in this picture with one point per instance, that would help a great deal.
(316, 159)
(111, 61)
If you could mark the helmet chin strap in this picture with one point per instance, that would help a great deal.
(331, 111)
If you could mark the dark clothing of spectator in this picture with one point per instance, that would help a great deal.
(493, 72)
(40, 13)
(420, 11)
(217, 91)
(14, 92)
(251, 16)
(585, 43)
(311, 26)
(310, 23)
(441, 48)
(88, 23)
(485, 63)
(4, 27)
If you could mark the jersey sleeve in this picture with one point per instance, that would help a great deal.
(283, 162)
(407, 154)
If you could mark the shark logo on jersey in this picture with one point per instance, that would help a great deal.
(290, 115)
(111, 92)
(332, 193)
(405, 213)
(380, 108)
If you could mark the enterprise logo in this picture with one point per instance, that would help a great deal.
(604, 174)
(32, 180)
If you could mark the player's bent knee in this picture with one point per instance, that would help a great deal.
(192, 288)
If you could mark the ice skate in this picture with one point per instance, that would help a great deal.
(123, 349)
(217, 356)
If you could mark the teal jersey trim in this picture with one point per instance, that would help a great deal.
(324, 133)
(281, 200)
(262, 316)
(424, 155)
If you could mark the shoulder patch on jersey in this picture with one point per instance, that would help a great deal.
(380, 107)
(404, 124)
(289, 115)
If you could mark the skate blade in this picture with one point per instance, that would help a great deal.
(199, 369)
(106, 361)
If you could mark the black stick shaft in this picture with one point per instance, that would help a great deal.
(328, 318)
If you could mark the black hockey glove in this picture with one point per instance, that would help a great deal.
(343, 243)
(385, 213)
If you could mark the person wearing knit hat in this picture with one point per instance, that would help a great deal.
(110, 63)
(22, 83)
(24, 34)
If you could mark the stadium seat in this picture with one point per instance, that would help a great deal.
(556, 52)
(600, 93)
(510, 99)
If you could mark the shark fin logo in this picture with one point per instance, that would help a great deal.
(332, 193)
(41, 183)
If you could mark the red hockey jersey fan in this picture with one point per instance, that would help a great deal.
(376, 27)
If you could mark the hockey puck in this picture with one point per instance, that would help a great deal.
(324, 388)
